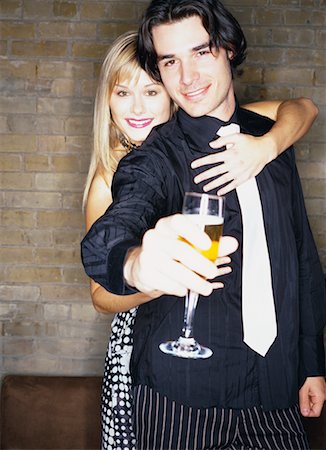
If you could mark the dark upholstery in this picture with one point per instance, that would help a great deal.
(316, 430)
(63, 413)
(39, 412)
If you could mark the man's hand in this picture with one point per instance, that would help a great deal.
(244, 158)
(167, 264)
(312, 396)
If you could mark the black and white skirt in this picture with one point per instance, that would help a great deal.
(116, 405)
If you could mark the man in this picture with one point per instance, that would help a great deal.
(239, 398)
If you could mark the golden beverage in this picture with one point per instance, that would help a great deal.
(215, 233)
(213, 226)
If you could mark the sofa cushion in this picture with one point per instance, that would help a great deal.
(50, 412)
(63, 413)
(316, 431)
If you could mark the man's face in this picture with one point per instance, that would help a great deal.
(197, 79)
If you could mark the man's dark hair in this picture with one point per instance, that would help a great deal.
(223, 29)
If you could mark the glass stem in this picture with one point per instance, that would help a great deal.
(190, 308)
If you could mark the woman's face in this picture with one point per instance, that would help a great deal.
(138, 105)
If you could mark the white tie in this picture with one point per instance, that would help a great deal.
(258, 309)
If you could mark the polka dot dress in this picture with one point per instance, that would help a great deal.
(117, 432)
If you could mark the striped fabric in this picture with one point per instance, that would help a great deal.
(162, 424)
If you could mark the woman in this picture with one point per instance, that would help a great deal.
(128, 105)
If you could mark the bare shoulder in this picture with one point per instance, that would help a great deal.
(99, 199)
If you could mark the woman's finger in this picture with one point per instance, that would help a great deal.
(214, 158)
(210, 173)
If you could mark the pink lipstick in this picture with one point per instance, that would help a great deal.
(139, 123)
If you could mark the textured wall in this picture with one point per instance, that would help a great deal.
(50, 53)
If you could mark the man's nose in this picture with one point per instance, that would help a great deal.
(189, 72)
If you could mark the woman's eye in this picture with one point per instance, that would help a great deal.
(151, 93)
(122, 93)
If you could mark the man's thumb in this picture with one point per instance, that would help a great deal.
(304, 403)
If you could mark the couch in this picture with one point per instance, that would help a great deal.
(50, 412)
(63, 413)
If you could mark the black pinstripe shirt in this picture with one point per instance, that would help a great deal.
(150, 183)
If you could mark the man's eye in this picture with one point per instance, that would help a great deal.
(203, 52)
(170, 63)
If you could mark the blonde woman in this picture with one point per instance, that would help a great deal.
(128, 105)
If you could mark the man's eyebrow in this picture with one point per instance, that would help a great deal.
(194, 49)
(162, 57)
(200, 47)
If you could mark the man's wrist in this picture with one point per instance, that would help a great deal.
(128, 272)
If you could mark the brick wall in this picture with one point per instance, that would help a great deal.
(50, 54)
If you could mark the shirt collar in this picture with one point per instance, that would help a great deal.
(199, 131)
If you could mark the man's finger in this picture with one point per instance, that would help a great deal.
(304, 402)
(316, 408)
(228, 245)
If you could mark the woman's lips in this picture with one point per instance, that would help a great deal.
(139, 123)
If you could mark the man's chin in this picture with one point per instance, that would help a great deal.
(194, 111)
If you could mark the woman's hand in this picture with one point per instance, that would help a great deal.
(246, 155)
(244, 158)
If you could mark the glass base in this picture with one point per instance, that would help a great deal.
(186, 348)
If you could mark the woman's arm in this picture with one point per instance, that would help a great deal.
(99, 199)
(106, 302)
(293, 120)
(244, 157)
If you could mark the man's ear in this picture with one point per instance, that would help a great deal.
(230, 55)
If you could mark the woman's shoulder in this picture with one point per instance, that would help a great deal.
(101, 182)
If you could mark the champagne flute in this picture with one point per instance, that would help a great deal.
(207, 211)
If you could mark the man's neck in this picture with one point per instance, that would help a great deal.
(199, 131)
(225, 111)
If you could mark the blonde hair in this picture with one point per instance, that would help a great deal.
(120, 63)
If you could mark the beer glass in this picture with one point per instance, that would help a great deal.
(207, 211)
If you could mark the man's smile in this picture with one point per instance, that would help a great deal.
(196, 95)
